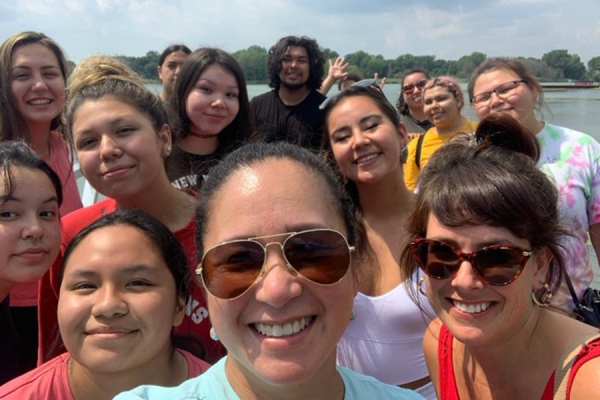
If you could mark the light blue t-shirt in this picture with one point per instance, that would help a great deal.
(213, 384)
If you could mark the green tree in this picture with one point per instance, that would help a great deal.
(570, 64)
(594, 69)
(253, 61)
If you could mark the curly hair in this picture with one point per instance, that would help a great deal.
(315, 55)
(450, 84)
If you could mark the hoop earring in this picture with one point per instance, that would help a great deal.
(420, 286)
(545, 299)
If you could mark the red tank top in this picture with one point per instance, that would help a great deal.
(449, 391)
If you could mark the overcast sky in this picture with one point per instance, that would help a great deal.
(444, 28)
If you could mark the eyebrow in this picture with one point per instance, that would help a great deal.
(6, 198)
(216, 83)
(130, 270)
(29, 68)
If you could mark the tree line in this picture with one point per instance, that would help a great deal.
(556, 65)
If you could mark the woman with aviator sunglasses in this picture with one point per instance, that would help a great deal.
(279, 241)
(485, 232)
(571, 159)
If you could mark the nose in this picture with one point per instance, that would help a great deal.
(279, 285)
(219, 100)
(466, 279)
(109, 302)
(33, 228)
(109, 148)
(39, 84)
(495, 100)
(359, 139)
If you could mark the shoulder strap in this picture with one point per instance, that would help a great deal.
(418, 153)
(561, 375)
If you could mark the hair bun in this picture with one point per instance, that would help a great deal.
(501, 130)
(96, 68)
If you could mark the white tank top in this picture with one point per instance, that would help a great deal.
(385, 338)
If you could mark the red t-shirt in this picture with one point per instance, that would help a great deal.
(449, 391)
(195, 323)
(50, 381)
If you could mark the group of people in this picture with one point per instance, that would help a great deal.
(401, 269)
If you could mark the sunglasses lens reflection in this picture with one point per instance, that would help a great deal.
(230, 269)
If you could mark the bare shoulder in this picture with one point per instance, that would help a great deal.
(430, 349)
(585, 384)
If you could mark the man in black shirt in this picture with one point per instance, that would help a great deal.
(290, 111)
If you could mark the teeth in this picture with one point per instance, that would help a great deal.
(367, 158)
(39, 102)
(283, 330)
(471, 308)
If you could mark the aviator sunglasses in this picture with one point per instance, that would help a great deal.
(408, 89)
(366, 83)
(321, 256)
(497, 265)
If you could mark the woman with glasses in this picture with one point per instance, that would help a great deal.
(571, 159)
(485, 234)
(410, 102)
(364, 141)
(279, 266)
(443, 100)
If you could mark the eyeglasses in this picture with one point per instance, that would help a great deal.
(496, 265)
(504, 90)
(321, 256)
(366, 83)
(408, 89)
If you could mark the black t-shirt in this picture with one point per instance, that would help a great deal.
(183, 168)
(301, 124)
(9, 345)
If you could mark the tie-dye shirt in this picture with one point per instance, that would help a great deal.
(572, 160)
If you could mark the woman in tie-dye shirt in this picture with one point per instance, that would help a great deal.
(570, 158)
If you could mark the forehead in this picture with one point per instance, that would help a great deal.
(177, 56)
(353, 107)
(414, 77)
(218, 74)
(296, 51)
(437, 90)
(34, 51)
(492, 78)
(24, 180)
(132, 248)
(272, 196)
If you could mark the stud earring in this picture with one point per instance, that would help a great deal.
(545, 299)
(213, 334)
(167, 150)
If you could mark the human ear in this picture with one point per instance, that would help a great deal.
(179, 311)
(542, 258)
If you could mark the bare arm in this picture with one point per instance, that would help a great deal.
(595, 239)
(336, 72)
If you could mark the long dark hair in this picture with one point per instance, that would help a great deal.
(242, 126)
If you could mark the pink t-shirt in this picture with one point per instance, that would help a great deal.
(50, 381)
(26, 294)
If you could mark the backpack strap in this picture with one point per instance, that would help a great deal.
(418, 153)
(563, 371)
